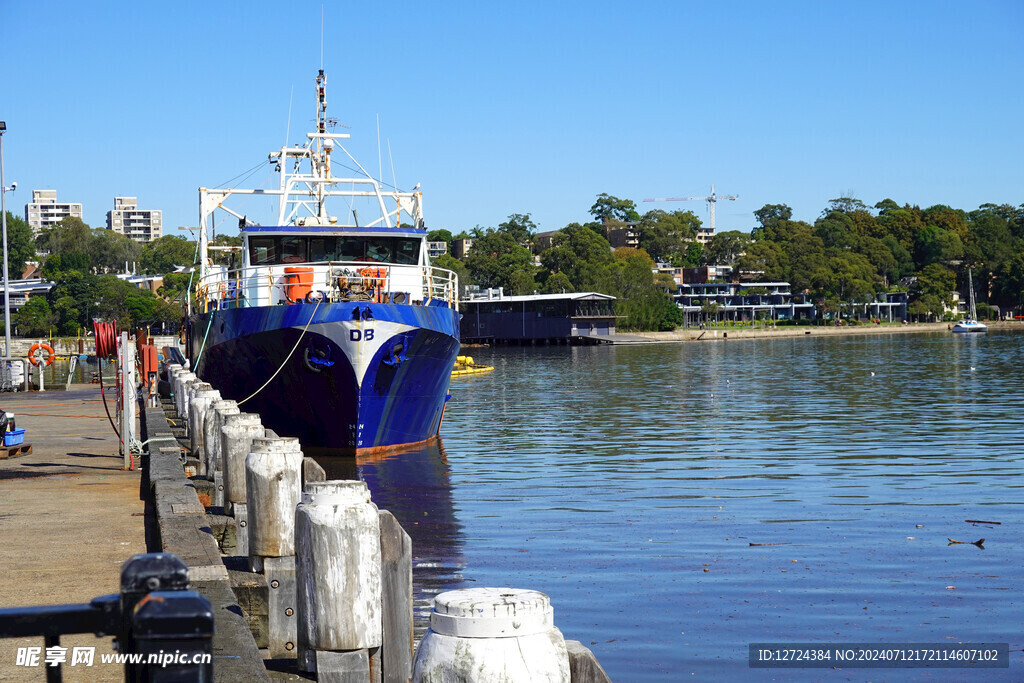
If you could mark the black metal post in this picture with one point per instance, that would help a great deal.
(174, 636)
(140, 576)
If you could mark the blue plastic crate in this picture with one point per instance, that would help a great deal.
(14, 437)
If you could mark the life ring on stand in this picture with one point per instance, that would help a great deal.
(37, 358)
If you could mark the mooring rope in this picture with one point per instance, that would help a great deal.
(289, 356)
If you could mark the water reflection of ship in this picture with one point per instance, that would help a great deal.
(415, 486)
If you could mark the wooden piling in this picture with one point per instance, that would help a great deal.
(396, 599)
(211, 431)
(181, 393)
(492, 635)
(338, 564)
(236, 438)
(273, 485)
(199, 404)
(193, 387)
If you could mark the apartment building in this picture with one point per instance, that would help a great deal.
(141, 225)
(45, 210)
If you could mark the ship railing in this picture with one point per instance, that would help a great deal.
(442, 284)
(331, 281)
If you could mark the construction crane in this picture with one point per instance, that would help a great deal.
(710, 199)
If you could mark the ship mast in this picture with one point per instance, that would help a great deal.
(321, 158)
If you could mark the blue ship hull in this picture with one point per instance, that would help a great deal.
(349, 376)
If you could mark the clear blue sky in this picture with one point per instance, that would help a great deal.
(528, 107)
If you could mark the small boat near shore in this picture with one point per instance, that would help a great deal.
(336, 328)
(970, 324)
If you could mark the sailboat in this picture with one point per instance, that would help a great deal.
(970, 324)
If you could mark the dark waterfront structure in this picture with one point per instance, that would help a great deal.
(575, 318)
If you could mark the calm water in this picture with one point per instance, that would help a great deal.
(629, 483)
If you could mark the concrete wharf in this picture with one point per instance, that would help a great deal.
(70, 515)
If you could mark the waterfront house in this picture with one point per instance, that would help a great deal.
(747, 301)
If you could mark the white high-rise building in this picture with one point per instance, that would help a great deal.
(141, 225)
(44, 210)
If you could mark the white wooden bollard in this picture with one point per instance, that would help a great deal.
(194, 388)
(338, 570)
(199, 406)
(273, 487)
(172, 371)
(191, 387)
(492, 635)
(181, 395)
(235, 443)
(211, 431)
(181, 391)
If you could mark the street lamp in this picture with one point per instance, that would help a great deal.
(3, 218)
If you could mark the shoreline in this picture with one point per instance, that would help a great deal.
(725, 334)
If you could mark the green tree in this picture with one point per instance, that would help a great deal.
(806, 257)
(836, 231)
(665, 236)
(769, 216)
(991, 243)
(522, 282)
(629, 278)
(672, 316)
(880, 256)
(938, 245)
(1010, 283)
(691, 257)
(901, 257)
(765, 259)
(73, 300)
(69, 235)
(495, 258)
(557, 283)
(850, 277)
(164, 254)
(903, 223)
(441, 235)
(174, 285)
(35, 318)
(581, 254)
(520, 227)
(953, 220)
(609, 207)
(933, 290)
(20, 247)
(725, 248)
(112, 252)
(863, 222)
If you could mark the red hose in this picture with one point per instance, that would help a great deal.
(106, 347)
(106, 339)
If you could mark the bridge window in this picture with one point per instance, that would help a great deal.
(300, 249)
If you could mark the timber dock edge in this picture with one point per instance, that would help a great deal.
(176, 522)
(180, 520)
